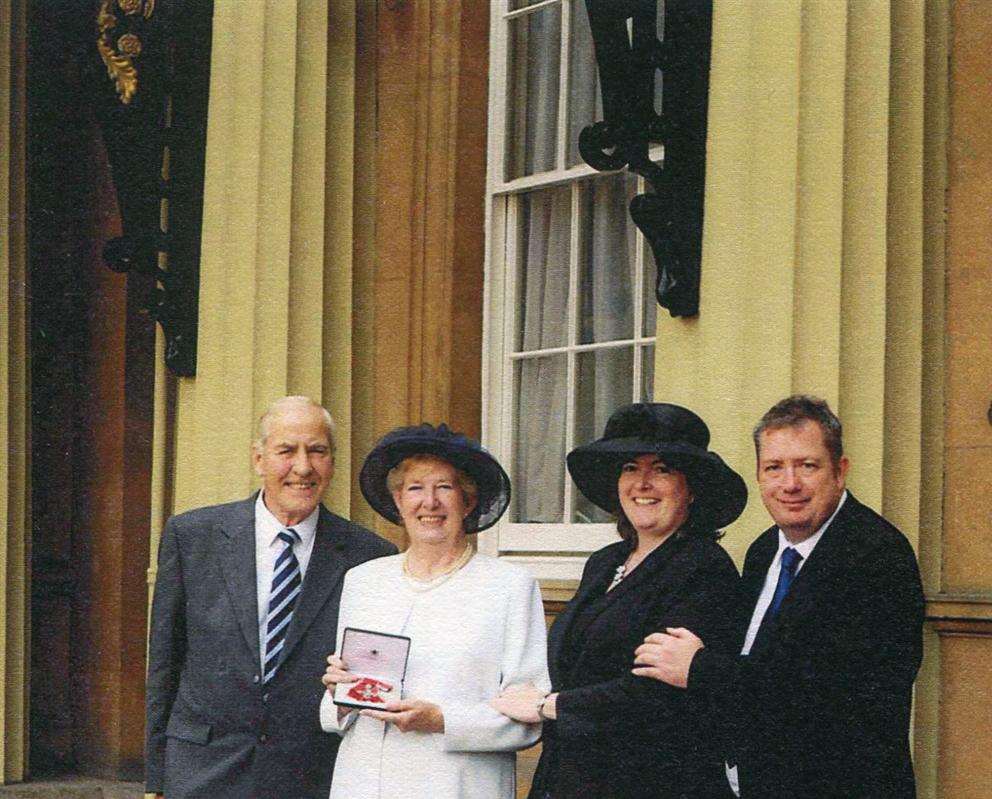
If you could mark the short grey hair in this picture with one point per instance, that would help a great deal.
(277, 407)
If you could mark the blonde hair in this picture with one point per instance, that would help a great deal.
(396, 475)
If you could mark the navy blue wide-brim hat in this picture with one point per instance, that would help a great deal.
(680, 438)
(459, 450)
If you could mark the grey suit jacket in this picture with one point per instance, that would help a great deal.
(213, 730)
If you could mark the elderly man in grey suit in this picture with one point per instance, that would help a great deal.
(244, 615)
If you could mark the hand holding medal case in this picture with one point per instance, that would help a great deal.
(378, 660)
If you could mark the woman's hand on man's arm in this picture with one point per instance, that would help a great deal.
(526, 703)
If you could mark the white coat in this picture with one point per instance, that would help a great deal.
(480, 631)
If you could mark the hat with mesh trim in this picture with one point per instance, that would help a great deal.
(441, 442)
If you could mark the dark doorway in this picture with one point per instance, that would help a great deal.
(91, 424)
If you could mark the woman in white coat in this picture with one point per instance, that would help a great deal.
(476, 627)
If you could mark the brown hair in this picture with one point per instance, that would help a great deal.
(690, 526)
(797, 410)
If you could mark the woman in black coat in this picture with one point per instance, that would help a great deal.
(608, 733)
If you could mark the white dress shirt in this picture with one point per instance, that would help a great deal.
(267, 549)
(804, 548)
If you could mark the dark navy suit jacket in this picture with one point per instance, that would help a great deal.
(821, 705)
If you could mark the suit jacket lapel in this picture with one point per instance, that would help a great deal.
(758, 561)
(328, 563)
(593, 579)
(823, 562)
(807, 586)
(236, 551)
(669, 552)
(753, 581)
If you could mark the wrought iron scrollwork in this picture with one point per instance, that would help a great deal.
(629, 54)
(150, 99)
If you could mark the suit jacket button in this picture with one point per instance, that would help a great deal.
(263, 738)
(256, 679)
(265, 697)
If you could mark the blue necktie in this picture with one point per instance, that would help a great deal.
(790, 562)
(286, 582)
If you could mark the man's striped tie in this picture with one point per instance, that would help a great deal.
(286, 582)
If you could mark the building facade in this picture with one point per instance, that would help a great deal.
(397, 222)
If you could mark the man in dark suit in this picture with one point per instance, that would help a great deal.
(244, 615)
(817, 704)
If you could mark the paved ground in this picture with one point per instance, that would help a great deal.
(82, 788)
(72, 789)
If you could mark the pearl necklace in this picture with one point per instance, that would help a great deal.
(625, 569)
(427, 583)
(618, 575)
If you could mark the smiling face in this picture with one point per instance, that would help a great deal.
(799, 483)
(654, 497)
(295, 462)
(431, 503)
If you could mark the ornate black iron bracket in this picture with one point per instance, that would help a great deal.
(153, 114)
(670, 215)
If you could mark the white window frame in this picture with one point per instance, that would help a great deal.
(553, 551)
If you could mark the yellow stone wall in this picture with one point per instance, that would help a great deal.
(813, 244)
(823, 268)
(276, 266)
(14, 445)
(824, 271)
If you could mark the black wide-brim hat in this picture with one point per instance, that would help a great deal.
(680, 438)
(459, 450)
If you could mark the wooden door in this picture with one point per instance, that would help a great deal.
(91, 409)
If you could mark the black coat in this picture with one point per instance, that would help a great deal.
(213, 730)
(617, 735)
(822, 703)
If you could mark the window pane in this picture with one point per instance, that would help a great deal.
(647, 373)
(605, 378)
(585, 103)
(543, 242)
(539, 440)
(649, 300)
(534, 64)
(607, 264)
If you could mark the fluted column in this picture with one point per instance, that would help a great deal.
(14, 487)
(823, 266)
(813, 266)
(419, 222)
(275, 304)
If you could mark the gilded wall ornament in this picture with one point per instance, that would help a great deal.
(129, 45)
(118, 57)
(153, 115)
